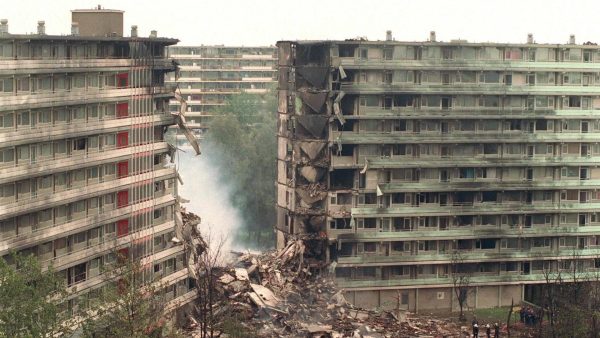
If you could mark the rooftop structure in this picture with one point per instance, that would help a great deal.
(408, 163)
(84, 174)
(210, 74)
(98, 21)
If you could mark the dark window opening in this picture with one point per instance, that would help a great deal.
(342, 179)
(574, 101)
(464, 220)
(464, 244)
(486, 244)
(541, 125)
(340, 223)
(403, 101)
(347, 50)
(347, 150)
(489, 196)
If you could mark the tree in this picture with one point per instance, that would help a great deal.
(242, 140)
(128, 305)
(29, 298)
(208, 262)
(461, 280)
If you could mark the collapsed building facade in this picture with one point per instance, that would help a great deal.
(84, 173)
(209, 75)
(404, 164)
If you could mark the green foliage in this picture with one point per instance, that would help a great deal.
(242, 140)
(128, 306)
(28, 298)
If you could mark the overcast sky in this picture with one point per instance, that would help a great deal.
(255, 22)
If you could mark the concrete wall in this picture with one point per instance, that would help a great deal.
(99, 23)
(436, 298)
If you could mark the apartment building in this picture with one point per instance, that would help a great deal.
(210, 74)
(83, 164)
(408, 163)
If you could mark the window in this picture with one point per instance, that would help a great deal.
(6, 120)
(363, 53)
(23, 153)
(23, 119)
(78, 113)
(79, 144)
(6, 85)
(109, 140)
(489, 77)
(388, 53)
(23, 84)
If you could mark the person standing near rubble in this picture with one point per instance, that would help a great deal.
(496, 330)
(475, 330)
(488, 331)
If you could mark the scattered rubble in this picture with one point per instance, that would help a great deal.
(275, 295)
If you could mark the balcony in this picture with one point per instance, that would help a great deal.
(475, 280)
(465, 137)
(41, 234)
(467, 256)
(73, 97)
(10, 66)
(474, 65)
(36, 203)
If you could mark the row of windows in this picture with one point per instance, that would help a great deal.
(510, 150)
(514, 102)
(42, 118)
(106, 233)
(478, 269)
(207, 76)
(463, 198)
(216, 86)
(226, 64)
(221, 51)
(60, 149)
(429, 247)
(541, 78)
(59, 82)
(33, 222)
(505, 174)
(53, 184)
(434, 223)
(473, 125)
(92, 298)
(57, 115)
(421, 52)
(24, 50)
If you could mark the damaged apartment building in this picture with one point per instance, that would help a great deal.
(84, 175)
(404, 164)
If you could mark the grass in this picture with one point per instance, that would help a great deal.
(493, 315)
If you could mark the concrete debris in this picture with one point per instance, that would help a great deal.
(275, 294)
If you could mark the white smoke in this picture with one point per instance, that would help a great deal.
(209, 198)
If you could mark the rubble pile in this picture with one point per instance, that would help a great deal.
(276, 295)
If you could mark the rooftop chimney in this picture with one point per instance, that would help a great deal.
(3, 27)
(41, 29)
(530, 38)
(572, 39)
(74, 28)
(153, 34)
(99, 7)
(432, 36)
(388, 35)
(134, 32)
